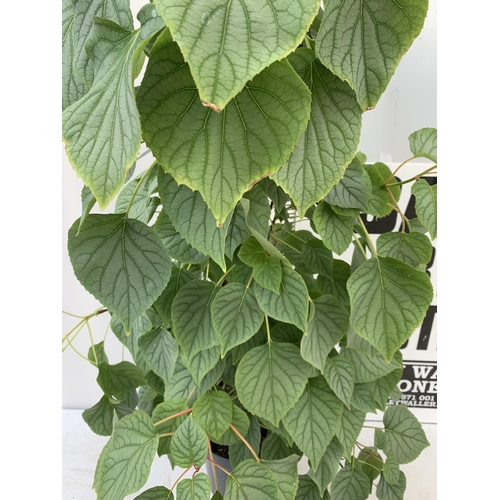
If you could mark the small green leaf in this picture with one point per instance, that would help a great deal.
(213, 412)
(404, 436)
(335, 230)
(363, 42)
(312, 422)
(317, 257)
(160, 352)
(163, 411)
(327, 327)
(236, 315)
(237, 232)
(363, 398)
(423, 143)
(155, 493)
(381, 203)
(391, 471)
(230, 43)
(350, 484)
(109, 253)
(426, 205)
(201, 363)
(379, 439)
(270, 380)
(88, 202)
(291, 305)
(189, 445)
(118, 379)
(100, 417)
(413, 248)
(389, 300)
(181, 383)
(308, 489)
(371, 462)
(388, 491)
(286, 475)
(241, 422)
(367, 369)
(339, 373)
(191, 317)
(251, 480)
(328, 465)
(124, 464)
(197, 488)
(99, 352)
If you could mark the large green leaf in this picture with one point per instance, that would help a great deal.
(270, 380)
(388, 491)
(192, 218)
(72, 86)
(251, 480)
(191, 317)
(102, 130)
(213, 412)
(367, 369)
(350, 484)
(231, 42)
(291, 305)
(335, 230)
(189, 445)
(116, 380)
(328, 465)
(124, 464)
(197, 488)
(109, 253)
(327, 146)
(160, 352)
(423, 143)
(286, 475)
(363, 42)
(100, 417)
(426, 205)
(236, 315)
(221, 155)
(389, 300)
(327, 326)
(404, 436)
(413, 248)
(312, 422)
(339, 373)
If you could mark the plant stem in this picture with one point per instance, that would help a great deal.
(92, 341)
(368, 239)
(178, 481)
(225, 274)
(74, 337)
(139, 185)
(414, 178)
(249, 281)
(247, 444)
(360, 246)
(166, 434)
(267, 329)
(219, 466)
(212, 464)
(183, 412)
(396, 206)
(395, 171)
(79, 353)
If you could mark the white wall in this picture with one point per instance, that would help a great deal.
(408, 104)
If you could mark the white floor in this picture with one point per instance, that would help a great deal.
(81, 448)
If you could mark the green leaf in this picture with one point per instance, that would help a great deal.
(99, 353)
(72, 86)
(423, 143)
(274, 447)
(191, 317)
(155, 493)
(238, 452)
(367, 369)
(379, 439)
(277, 195)
(197, 488)
(230, 43)
(124, 464)
(308, 489)
(381, 203)
(193, 220)
(313, 420)
(328, 465)
(317, 257)
(213, 412)
(88, 201)
(363, 42)
(236, 315)
(335, 230)
(237, 232)
(389, 300)
(391, 471)
(384, 386)
(353, 190)
(180, 384)
(100, 417)
(285, 474)
(285, 332)
(350, 426)
(189, 445)
(165, 410)
(291, 305)
(413, 248)
(339, 373)
(150, 21)
(118, 379)
(270, 380)
(327, 327)
(240, 350)
(388, 491)
(363, 398)
(350, 484)
(160, 352)
(354, 341)
(371, 462)
(201, 363)
(327, 146)
(102, 130)
(258, 213)
(241, 422)
(251, 480)
(404, 436)
(426, 205)
(109, 253)
(221, 155)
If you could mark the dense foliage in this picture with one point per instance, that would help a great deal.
(246, 331)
